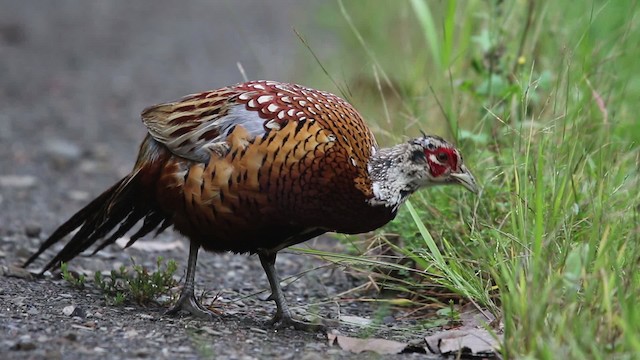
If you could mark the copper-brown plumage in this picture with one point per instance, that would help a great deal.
(256, 167)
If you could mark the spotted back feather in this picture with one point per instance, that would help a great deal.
(199, 124)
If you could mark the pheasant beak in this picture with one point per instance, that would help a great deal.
(466, 179)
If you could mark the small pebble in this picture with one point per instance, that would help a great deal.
(258, 330)
(42, 338)
(24, 346)
(33, 311)
(388, 320)
(15, 271)
(78, 312)
(68, 310)
(78, 195)
(32, 230)
(142, 353)
(146, 316)
(17, 181)
(62, 150)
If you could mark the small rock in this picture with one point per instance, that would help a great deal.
(71, 336)
(182, 349)
(33, 311)
(24, 346)
(78, 195)
(258, 330)
(17, 181)
(68, 310)
(32, 230)
(62, 150)
(87, 326)
(142, 353)
(388, 320)
(42, 338)
(90, 325)
(78, 312)
(15, 271)
(89, 166)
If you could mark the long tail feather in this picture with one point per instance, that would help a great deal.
(120, 206)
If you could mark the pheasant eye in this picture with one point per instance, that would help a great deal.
(443, 157)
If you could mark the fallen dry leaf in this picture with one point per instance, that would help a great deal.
(468, 341)
(379, 346)
(471, 339)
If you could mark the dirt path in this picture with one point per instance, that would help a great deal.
(74, 77)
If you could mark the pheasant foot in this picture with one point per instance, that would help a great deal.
(281, 321)
(190, 304)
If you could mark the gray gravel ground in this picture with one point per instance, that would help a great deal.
(74, 76)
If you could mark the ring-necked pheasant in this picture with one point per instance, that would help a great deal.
(257, 167)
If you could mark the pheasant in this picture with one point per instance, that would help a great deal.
(254, 168)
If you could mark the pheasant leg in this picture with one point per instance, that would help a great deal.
(187, 301)
(283, 317)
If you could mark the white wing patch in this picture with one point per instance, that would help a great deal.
(195, 145)
(239, 116)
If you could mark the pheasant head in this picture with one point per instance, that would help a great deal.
(399, 171)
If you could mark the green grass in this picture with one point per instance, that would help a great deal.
(75, 280)
(542, 98)
(130, 284)
(138, 284)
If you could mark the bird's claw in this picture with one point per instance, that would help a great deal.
(191, 305)
(284, 322)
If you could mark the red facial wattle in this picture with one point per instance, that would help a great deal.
(445, 159)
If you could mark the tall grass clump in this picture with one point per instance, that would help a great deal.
(542, 97)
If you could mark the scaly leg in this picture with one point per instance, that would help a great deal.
(282, 318)
(187, 301)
